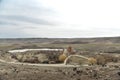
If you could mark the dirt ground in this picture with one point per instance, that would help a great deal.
(33, 72)
(10, 71)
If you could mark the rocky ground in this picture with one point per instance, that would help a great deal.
(85, 47)
(11, 69)
(32, 72)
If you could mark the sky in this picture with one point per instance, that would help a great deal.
(59, 18)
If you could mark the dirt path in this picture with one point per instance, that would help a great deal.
(47, 65)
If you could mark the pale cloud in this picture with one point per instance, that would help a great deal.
(59, 18)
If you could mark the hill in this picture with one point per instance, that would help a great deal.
(62, 40)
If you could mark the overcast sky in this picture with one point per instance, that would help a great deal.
(59, 18)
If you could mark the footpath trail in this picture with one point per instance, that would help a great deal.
(31, 64)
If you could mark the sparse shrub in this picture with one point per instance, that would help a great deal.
(92, 61)
(30, 59)
(62, 57)
(110, 58)
(100, 60)
(19, 57)
(42, 58)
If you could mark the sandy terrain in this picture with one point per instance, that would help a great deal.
(26, 71)
(86, 47)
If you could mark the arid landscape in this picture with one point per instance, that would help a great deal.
(43, 59)
(59, 40)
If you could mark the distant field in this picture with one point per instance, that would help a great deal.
(91, 47)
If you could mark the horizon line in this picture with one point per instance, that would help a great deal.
(56, 37)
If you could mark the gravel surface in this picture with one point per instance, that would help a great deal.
(33, 72)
